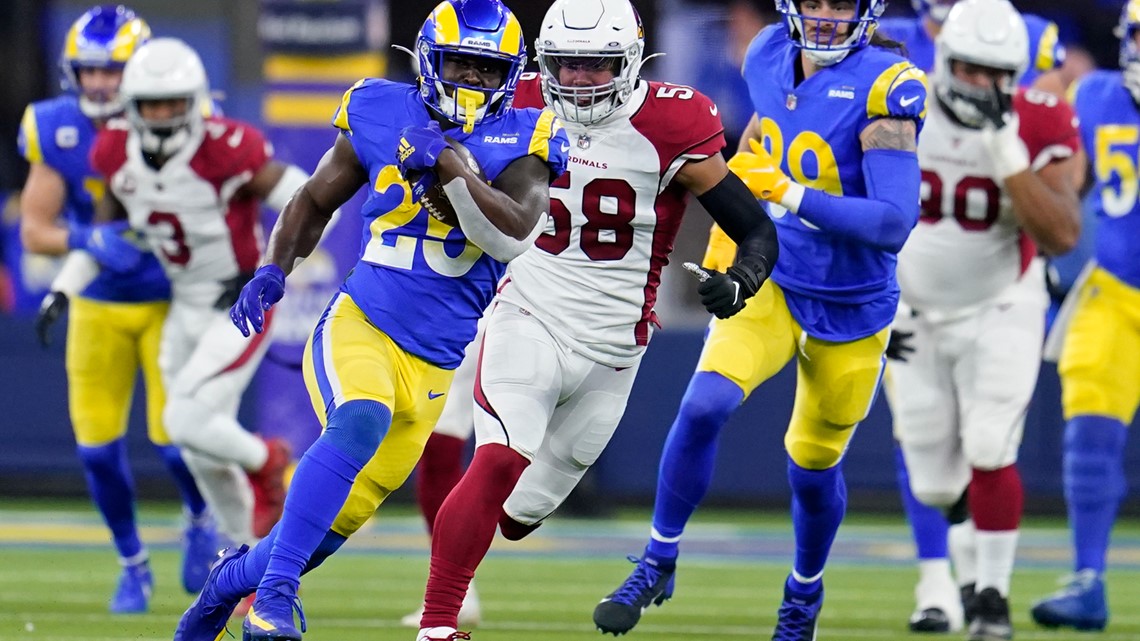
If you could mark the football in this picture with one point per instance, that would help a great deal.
(435, 200)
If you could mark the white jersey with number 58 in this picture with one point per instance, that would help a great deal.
(968, 247)
(592, 278)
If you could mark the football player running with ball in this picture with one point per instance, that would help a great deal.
(574, 315)
(381, 358)
(1100, 376)
(997, 167)
(840, 115)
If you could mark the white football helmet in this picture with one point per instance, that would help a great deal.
(166, 68)
(599, 34)
(990, 33)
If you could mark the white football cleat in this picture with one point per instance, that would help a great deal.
(470, 614)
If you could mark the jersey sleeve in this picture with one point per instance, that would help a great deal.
(681, 123)
(899, 91)
(250, 149)
(528, 93)
(549, 142)
(28, 140)
(1048, 127)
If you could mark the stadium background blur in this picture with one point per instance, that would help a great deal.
(283, 65)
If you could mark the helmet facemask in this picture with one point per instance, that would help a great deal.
(162, 138)
(972, 105)
(461, 103)
(588, 104)
(826, 41)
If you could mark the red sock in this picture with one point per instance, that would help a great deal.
(441, 467)
(996, 499)
(464, 529)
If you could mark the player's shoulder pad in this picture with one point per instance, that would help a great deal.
(233, 146)
(1094, 86)
(677, 116)
(109, 150)
(1045, 49)
(528, 92)
(1046, 122)
(897, 88)
(544, 136)
(48, 126)
(365, 100)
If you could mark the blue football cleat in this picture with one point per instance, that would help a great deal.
(798, 616)
(205, 619)
(649, 584)
(271, 616)
(199, 549)
(1080, 604)
(132, 595)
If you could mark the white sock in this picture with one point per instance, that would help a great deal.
(964, 552)
(142, 557)
(228, 493)
(996, 551)
(934, 571)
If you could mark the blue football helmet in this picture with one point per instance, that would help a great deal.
(481, 28)
(936, 10)
(104, 37)
(828, 45)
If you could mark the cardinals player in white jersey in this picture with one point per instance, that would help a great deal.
(574, 314)
(998, 184)
(191, 186)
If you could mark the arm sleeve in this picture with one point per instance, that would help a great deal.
(739, 214)
(885, 217)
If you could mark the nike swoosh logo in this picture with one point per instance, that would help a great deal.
(906, 102)
(565, 148)
(714, 110)
(432, 395)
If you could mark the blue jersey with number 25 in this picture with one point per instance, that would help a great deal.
(837, 289)
(419, 280)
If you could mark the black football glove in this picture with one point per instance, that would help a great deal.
(898, 346)
(232, 290)
(724, 294)
(51, 308)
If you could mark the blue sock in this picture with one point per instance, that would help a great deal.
(819, 499)
(1094, 484)
(239, 579)
(686, 467)
(113, 490)
(321, 484)
(183, 479)
(928, 525)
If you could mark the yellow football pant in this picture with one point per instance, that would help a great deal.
(835, 382)
(348, 358)
(107, 343)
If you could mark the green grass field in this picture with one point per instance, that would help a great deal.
(57, 573)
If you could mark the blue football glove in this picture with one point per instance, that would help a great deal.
(107, 244)
(261, 292)
(420, 147)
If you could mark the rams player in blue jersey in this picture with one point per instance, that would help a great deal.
(115, 323)
(382, 356)
(1100, 376)
(832, 150)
